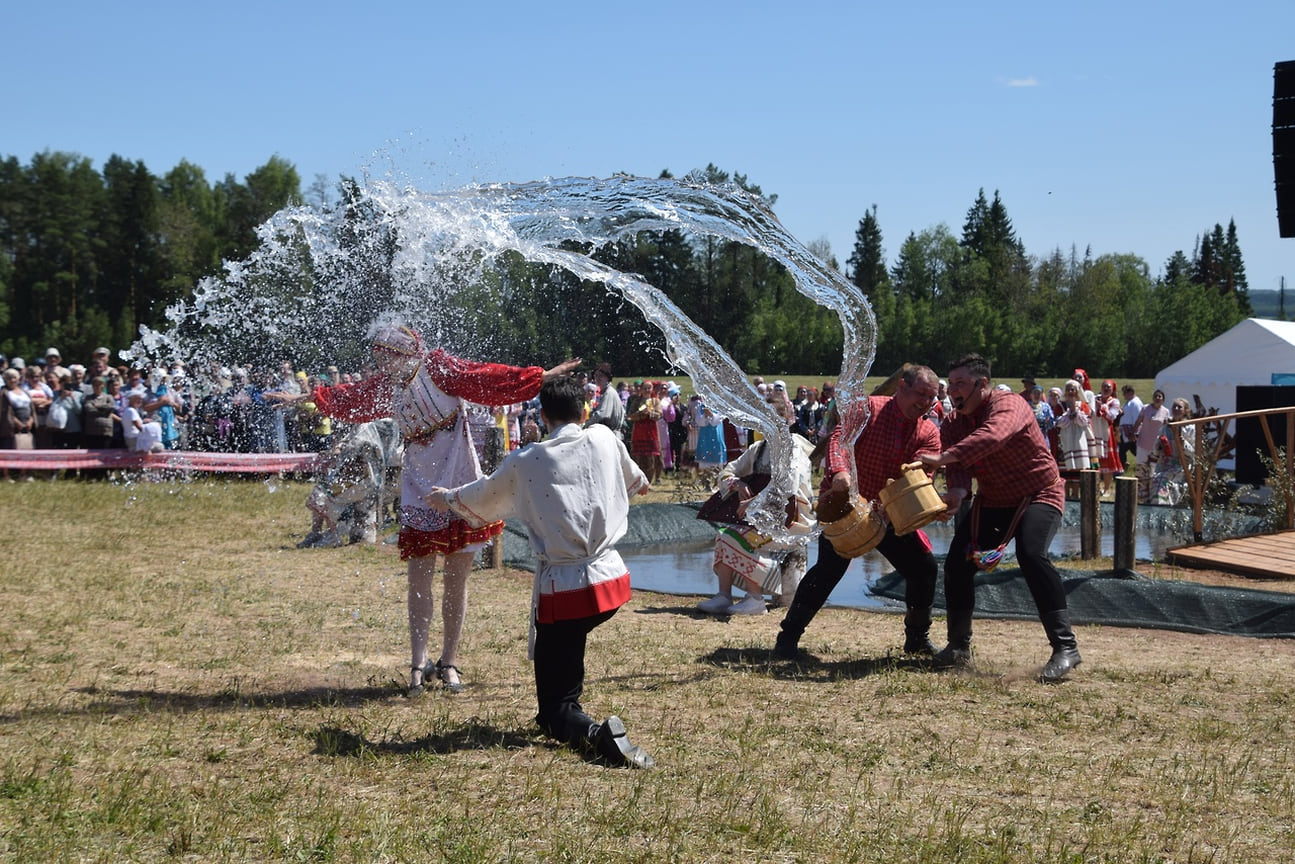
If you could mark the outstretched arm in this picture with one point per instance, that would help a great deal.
(563, 368)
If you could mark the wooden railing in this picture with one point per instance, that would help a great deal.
(1199, 471)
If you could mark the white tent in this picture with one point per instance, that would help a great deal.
(1250, 353)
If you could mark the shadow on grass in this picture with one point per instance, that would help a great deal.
(690, 609)
(471, 735)
(135, 700)
(807, 667)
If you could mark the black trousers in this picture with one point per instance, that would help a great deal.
(1033, 536)
(560, 677)
(1128, 449)
(907, 553)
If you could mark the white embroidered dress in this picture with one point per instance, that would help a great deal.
(429, 410)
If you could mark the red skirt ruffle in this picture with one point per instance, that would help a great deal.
(446, 541)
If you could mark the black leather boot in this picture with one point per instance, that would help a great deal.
(804, 605)
(612, 743)
(1065, 650)
(958, 651)
(917, 629)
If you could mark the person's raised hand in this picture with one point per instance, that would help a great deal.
(563, 368)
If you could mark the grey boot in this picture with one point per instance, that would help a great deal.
(958, 651)
(1065, 650)
(917, 628)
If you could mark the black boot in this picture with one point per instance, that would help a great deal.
(811, 594)
(958, 651)
(786, 646)
(917, 628)
(611, 742)
(1065, 650)
(801, 612)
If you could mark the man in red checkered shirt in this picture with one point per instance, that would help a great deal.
(897, 433)
(994, 438)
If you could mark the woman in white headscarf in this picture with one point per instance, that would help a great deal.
(425, 390)
(1076, 425)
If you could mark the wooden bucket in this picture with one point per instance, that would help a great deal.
(853, 528)
(911, 500)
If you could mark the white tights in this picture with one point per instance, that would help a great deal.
(454, 607)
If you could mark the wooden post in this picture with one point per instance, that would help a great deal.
(1090, 515)
(1126, 522)
(497, 552)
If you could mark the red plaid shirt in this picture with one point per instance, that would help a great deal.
(889, 441)
(1000, 445)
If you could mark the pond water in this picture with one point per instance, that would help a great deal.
(684, 568)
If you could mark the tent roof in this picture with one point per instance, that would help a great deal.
(1249, 353)
(1275, 338)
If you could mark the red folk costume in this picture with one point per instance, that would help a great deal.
(428, 408)
(1106, 417)
(644, 412)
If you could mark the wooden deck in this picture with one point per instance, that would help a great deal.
(1270, 555)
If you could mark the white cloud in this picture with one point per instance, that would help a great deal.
(1027, 81)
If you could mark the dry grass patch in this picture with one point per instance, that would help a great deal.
(178, 681)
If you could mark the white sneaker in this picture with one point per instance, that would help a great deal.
(720, 604)
(751, 604)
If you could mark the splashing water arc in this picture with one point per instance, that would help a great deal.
(321, 278)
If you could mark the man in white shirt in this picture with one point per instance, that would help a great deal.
(140, 432)
(1132, 410)
(572, 493)
(609, 411)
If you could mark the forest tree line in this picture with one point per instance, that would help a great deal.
(87, 257)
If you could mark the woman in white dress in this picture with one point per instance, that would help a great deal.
(425, 392)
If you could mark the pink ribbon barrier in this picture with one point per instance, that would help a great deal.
(174, 460)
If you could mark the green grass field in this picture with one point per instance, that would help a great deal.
(178, 682)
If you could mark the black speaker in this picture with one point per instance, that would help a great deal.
(1250, 439)
(1284, 145)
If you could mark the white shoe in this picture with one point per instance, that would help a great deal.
(720, 604)
(751, 604)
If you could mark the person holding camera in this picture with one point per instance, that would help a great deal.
(65, 415)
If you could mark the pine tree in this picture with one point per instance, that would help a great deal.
(975, 227)
(867, 263)
(1206, 269)
(1234, 270)
(1177, 268)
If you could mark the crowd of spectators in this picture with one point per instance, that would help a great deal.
(1098, 431)
(102, 406)
(666, 432)
(98, 405)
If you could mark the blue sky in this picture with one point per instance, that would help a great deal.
(1125, 127)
